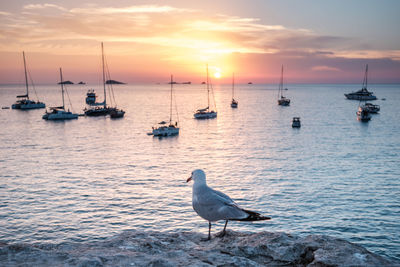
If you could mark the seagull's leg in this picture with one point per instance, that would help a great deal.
(223, 231)
(209, 230)
(209, 233)
(222, 234)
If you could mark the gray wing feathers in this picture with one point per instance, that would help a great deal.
(213, 205)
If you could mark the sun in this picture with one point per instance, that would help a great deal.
(217, 75)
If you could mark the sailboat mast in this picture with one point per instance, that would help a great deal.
(208, 91)
(233, 84)
(26, 76)
(281, 83)
(62, 88)
(104, 76)
(366, 77)
(170, 105)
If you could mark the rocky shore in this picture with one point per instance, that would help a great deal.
(135, 248)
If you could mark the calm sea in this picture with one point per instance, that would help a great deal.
(92, 178)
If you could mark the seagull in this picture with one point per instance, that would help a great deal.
(213, 205)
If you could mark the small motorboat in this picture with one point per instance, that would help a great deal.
(91, 97)
(117, 113)
(296, 122)
(372, 108)
(363, 114)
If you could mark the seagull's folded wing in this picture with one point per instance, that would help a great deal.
(213, 205)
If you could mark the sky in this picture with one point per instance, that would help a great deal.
(146, 41)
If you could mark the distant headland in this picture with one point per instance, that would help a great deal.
(113, 82)
(66, 82)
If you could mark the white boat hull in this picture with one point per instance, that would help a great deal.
(165, 131)
(205, 115)
(60, 115)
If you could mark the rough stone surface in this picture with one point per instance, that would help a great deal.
(136, 248)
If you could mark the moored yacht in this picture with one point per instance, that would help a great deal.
(282, 101)
(206, 113)
(59, 113)
(363, 94)
(167, 129)
(23, 101)
(234, 103)
(101, 109)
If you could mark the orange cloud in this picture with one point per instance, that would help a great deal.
(170, 38)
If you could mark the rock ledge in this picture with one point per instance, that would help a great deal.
(135, 248)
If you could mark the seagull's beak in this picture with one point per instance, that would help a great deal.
(189, 179)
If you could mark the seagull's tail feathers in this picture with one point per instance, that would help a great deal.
(253, 216)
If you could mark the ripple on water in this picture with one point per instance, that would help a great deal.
(92, 178)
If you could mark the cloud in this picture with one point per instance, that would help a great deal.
(43, 6)
(159, 25)
(163, 33)
(128, 10)
(324, 68)
(2, 13)
(372, 54)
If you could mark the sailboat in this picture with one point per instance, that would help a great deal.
(234, 103)
(282, 101)
(23, 101)
(206, 113)
(362, 94)
(59, 113)
(101, 109)
(164, 128)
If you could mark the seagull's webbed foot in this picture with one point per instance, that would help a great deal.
(222, 234)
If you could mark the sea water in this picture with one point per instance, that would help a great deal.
(93, 178)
